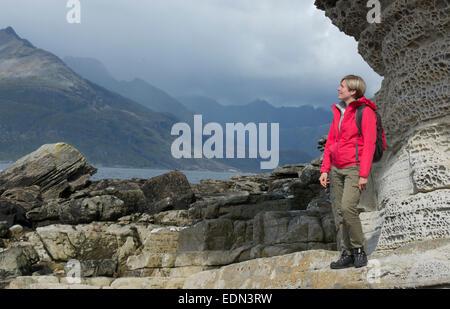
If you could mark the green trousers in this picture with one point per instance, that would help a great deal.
(345, 196)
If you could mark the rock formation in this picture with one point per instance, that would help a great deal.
(405, 267)
(164, 227)
(410, 48)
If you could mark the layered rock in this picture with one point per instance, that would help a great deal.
(114, 233)
(163, 227)
(51, 185)
(17, 261)
(410, 49)
(56, 169)
(419, 264)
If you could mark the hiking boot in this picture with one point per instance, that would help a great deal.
(360, 257)
(344, 261)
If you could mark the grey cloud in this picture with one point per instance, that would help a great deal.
(285, 51)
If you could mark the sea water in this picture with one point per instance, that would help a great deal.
(128, 173)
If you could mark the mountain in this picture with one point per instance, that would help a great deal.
(158, 100)
(43, 101)
(300, 127)
(258, 111)
(137, 89)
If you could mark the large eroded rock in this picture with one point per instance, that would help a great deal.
(170, 191)
(57, 169)
(410, 48)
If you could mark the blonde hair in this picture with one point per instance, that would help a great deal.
(355, 83)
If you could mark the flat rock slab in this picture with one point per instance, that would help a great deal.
(420, 264)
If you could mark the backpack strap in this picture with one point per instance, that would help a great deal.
(358, 119)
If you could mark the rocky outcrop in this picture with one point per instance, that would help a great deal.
(56, 169)
(419, 264)
(410, 49)
(17, 261)
(163, 227)
(51, 185)
(164, 232)
(168, 191)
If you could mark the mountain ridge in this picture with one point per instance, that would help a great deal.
(137, 89)
(43, 101)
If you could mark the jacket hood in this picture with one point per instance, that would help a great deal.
(363, 100)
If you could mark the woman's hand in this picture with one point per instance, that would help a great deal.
(324, 181)
(362, 183)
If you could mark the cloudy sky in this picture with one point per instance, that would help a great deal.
(235, 51)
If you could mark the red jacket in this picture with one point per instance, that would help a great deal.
(340, 149)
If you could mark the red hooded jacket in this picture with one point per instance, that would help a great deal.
(340, 149)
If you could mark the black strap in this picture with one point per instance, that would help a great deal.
(358, 119)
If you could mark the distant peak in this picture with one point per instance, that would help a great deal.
(11, 34)
(139, 80)
(11, 31)
(260, 103)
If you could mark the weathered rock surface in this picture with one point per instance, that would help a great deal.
(76, 211)
(85, 242)
(90, 268)
(157, 233)
(165, 227)
(410, 49)
(12, 213)
(57, 169)
(17, 261)
(419, 264)
(167, 192)
(27, 197)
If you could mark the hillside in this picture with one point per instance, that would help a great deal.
(137, 89)
(43, 101)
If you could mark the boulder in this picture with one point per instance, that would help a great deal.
(85, 242)
(213, 234)
(169, 218)
(309, 175)
(274, 227)
(15, 231)
(27, 197)
(288, 171)
(162, 240)
(91, 268)
(12, 213)
(83, 210)
(170, 191)
(129, 191)
(17, 261)
(58, 169)
(212, 186)
(253, 184)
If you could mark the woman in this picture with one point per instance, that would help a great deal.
(348, 159)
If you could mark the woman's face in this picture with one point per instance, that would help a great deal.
(344, 94)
